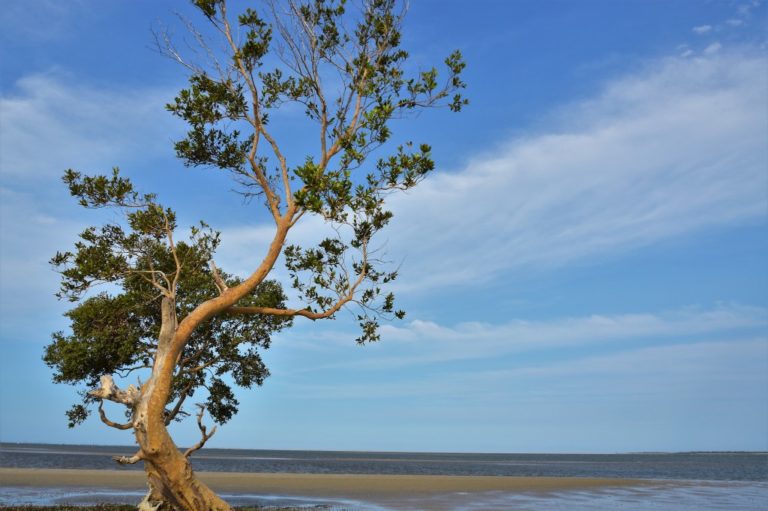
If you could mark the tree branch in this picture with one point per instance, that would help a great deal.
(257, 124)
(108, 422)
(304, 312)
(111, 392)
(176, 409)
(129, 460)
(220, 284)
(203, 431)
(172, 246)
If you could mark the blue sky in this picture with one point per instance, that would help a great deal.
(585, 272)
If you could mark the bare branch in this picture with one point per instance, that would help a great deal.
(176, 409)
(202, 366)
(108, 422)
(283, 163)
(272, 200)
(343, 300)
(203, 431)
(298, 217)
(165, 47)
(220, 284)
(165, 291)
(259, 129)
(172, 246)
(109, 391)
(128, 370)
(129, 460)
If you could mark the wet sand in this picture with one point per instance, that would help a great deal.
(319, 485)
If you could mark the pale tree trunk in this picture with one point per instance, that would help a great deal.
(172, 482)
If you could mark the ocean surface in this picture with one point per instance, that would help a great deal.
(681, 481)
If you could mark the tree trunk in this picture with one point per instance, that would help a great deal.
(172, 482)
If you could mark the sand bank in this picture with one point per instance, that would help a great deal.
(320, 485)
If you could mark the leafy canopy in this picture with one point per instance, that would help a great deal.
(116, 333)
(227, 108)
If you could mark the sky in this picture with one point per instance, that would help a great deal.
(585, 271)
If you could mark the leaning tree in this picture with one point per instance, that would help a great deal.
(169, 310)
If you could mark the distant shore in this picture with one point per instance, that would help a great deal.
(312, 485)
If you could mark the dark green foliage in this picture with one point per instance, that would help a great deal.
(227, 108)
(204, 104)
(257, 39)
(324, 37)
(116, 332)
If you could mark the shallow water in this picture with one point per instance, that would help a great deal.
(691, 466)
(659, 496)
(677, 481)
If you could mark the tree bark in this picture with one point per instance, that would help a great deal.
(172, 482)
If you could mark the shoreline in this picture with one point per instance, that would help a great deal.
(313, 485)
(74, 488)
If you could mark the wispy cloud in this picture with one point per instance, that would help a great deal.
(672, 150)
(22, 19)
(647, 370)
(64, 123)
(519, 335)
(29, 237)
(427, 342)
(713, 48)
(702, 29)
(49, 122)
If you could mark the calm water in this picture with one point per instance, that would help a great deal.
(682, 481)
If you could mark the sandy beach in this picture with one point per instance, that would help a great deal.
(392, 492)
(384, 489)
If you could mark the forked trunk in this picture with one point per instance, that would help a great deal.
(172, 482)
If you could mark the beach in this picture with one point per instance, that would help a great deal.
(353, 490)
(323, 485)
(45, 475)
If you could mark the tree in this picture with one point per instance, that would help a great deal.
(171, 312)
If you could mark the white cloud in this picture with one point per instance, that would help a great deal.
(29, 237)
(702, 29)
(594, 328)
(662, 153)
(713, 48)
(478, 339)
(734, 22)
(67, 124)
(47, 124)
(654, 370)
(426, 342)
(22, 19)
(712, 359)
(674, 149)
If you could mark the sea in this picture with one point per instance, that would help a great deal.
(691, 481)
